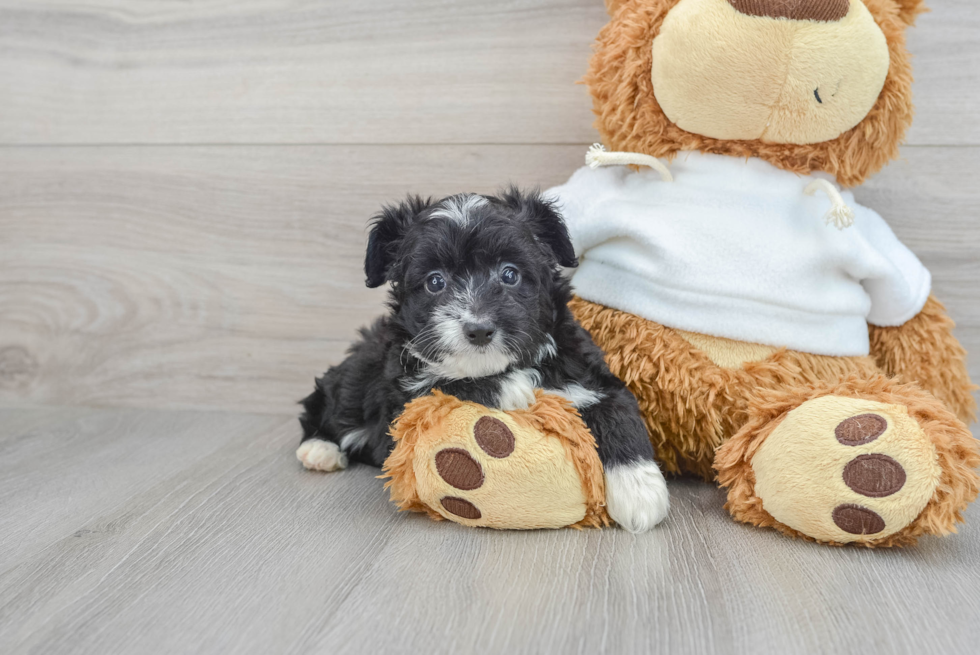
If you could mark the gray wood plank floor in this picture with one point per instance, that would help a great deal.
(228, 545)
(183, 193)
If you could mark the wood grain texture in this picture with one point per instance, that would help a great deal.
(186, 277)
(238, 549)
(358, 71)
(271, 71)
(61, 466)
(946, 66)
(179, 275)
(228, 277)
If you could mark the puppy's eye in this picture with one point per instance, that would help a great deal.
(435, 283)
(510, 276)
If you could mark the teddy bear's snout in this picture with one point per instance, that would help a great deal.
(828, 11)
(778, 71)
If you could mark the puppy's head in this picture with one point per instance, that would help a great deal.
(476, 280)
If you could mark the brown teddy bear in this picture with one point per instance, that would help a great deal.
(777, 335)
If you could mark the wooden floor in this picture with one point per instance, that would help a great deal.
(137, 531)
(183, 194)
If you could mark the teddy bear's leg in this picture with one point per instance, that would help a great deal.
(867, 461)
(524, 469)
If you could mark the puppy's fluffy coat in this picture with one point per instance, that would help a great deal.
(479, 310)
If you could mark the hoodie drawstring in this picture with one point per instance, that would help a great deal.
(597, 156)
(840, 215)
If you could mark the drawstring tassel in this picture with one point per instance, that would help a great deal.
(597, 156)
(840, 215)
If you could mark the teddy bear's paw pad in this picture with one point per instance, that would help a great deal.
(458, 468)
(484, 468)
(461, 508)
(874, 475)
(320, 455)
(855, 519)
(844, 469)
(859, 430)
(494, 437)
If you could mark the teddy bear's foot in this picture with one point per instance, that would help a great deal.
(511, 470)
(320, 455)
(636, 496)
(869, 462)
(844, 469)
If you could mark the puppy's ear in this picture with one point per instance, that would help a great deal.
(545, 222)
(387, 231)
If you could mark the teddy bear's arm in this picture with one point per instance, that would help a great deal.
(924, 350)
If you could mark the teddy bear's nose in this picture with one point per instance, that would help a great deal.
(826, 11)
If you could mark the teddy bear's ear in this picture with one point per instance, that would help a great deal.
(909, 9)
(613, 5)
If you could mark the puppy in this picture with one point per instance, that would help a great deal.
(478, 310)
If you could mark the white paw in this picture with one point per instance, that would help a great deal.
(636, 495)
(517, 390)
(319, 455)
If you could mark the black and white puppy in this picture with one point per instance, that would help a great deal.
(478, 310)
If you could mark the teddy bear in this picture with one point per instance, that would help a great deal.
(777, 335)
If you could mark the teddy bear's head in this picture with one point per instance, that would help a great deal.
(807, 85)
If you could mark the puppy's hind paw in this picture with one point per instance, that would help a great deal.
(636, 495)
(320, 455)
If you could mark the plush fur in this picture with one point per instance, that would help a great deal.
(710, 407)
(695, 408)
(692, 405)
(908, 10)
(955, 447)
(463, 265)
(612, 6)
(422, 427)
(925, 351)
(630, 118)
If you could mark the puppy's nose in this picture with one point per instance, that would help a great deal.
(825, 11)
(479, 334)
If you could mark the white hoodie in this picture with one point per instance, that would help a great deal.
(733, 248)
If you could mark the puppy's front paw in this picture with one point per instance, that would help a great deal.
(517, 390)
(636, 495)
(320, 455)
